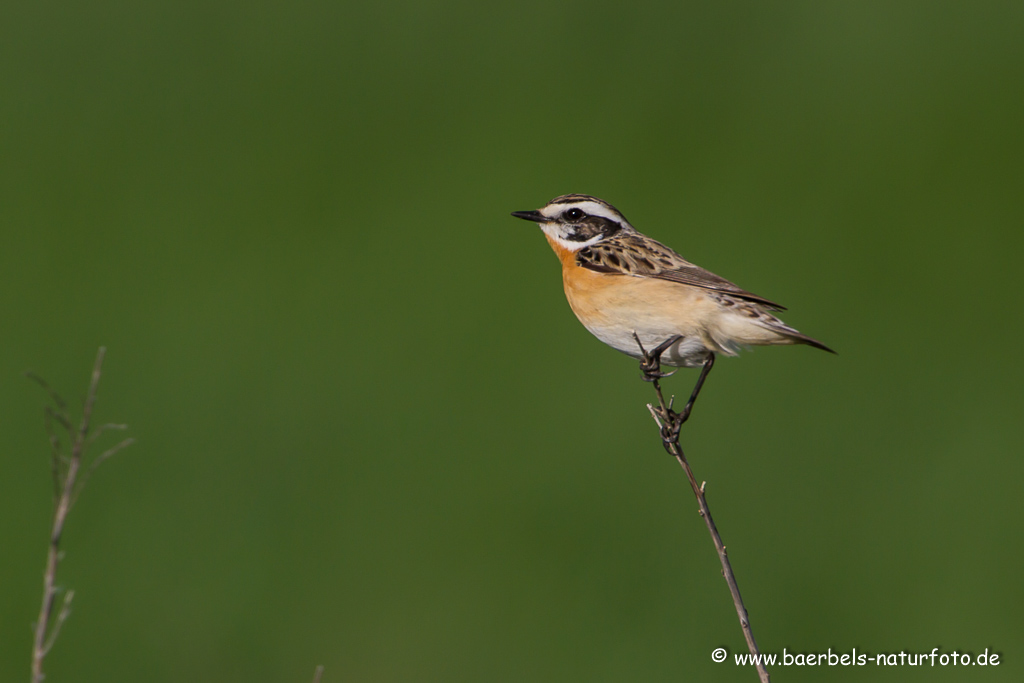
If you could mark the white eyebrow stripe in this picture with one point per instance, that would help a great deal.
(587, 207)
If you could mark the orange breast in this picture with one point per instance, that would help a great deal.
(563, 254)
(585, 289)
(620, 300)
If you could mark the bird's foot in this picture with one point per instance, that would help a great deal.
(650, 362)
(670, 421)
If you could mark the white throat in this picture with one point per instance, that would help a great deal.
(553, 231)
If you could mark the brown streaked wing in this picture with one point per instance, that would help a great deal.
(643, 257)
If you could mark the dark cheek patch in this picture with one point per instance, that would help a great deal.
(591, 227)
(606, 227)
(579, 234)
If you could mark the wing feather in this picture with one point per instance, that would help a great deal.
(640, 256)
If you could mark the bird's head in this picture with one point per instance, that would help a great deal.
(575, 221)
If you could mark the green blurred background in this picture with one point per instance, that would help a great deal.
(371, 435)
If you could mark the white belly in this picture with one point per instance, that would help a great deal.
(690, 351)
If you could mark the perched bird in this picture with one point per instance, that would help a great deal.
(637, 295)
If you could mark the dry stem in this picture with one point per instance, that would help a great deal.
(66, 488)
(668, 422)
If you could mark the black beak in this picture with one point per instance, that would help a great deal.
(534, 216)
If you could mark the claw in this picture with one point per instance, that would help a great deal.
(652, 371)
(650, 364)
(669, 421)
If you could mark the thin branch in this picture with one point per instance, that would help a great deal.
(62, 616)
(56, 456)
(98, 432)
(96, 463)
(669, 423)
(67, 485)
(54, 396)
(318, 673)
(60, 418)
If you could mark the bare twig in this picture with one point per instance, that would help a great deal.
(67, 486)
(669, 423)
(96, 463)
(56, 456)
(54, 396)
(318, 673)
(98, 432)
(62, 616)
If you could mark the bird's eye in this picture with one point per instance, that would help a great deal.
(573, 215)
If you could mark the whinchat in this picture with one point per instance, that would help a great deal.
(635, 294)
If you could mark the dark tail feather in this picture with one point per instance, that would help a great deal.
(811, 341)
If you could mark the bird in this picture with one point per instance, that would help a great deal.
(642, 298)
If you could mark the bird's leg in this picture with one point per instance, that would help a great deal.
(705, 371)
(671, 421)
(650, 363)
